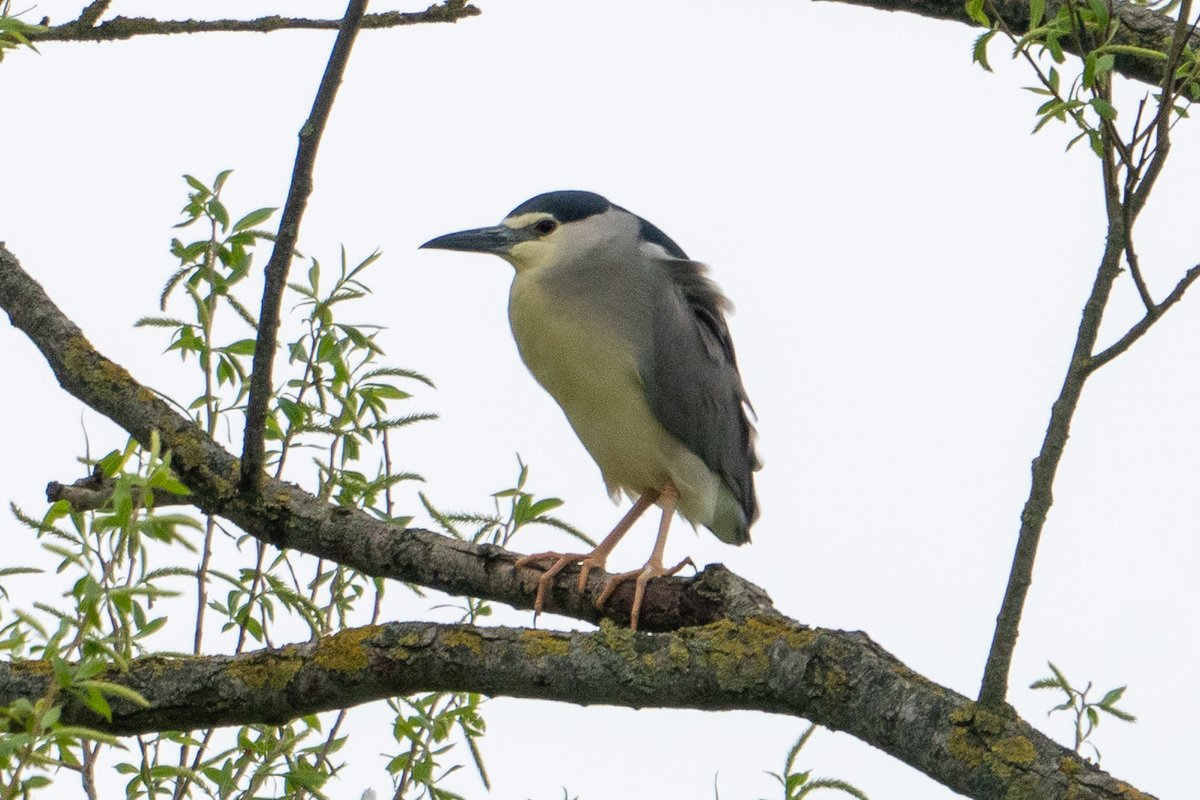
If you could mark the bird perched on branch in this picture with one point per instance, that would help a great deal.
(629, 336)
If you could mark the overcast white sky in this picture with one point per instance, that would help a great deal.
(907, 263)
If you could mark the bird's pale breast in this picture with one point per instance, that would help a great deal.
(594, 376)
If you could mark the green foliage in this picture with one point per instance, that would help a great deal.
(798, 784)
(15, 33)
(122, 564)
(1085, 101)
(1086, 712)
(424, 724)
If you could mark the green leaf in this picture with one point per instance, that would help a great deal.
(51, 717)
(197, 185)
(242, 347)
(976, 13)
(979, 53)
(116, 690)
(1056, 51)
(256, 217)
(1139, 52)
(1037, 10)
(1099, 8)
(1103, 108)
(216, 209)
(1119, 714)
(297, 414)
(544, 505)
(96, 702)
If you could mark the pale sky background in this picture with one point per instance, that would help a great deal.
(908, 266)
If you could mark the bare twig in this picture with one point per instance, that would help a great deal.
(121, 28)
(1182, 36)
(261, 387)
(92, 13)
(1135, 270)
(994, 686)
(1137, 331)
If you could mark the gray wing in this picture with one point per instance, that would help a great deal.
(693, 383)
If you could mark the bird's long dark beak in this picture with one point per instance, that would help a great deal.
(497, 239)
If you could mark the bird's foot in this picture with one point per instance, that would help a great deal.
(640, 577)
(557, 561)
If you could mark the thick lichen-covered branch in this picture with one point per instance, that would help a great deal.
(763, 662)
(1140, 27)
(85, 29)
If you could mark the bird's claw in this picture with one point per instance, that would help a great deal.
(558, 561)
(640, 578)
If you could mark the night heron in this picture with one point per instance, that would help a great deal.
(629, 336)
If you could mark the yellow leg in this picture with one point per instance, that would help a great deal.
(587, 561)
(654, 566)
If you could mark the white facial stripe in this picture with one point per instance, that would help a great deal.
(525, 220)
(655, 250)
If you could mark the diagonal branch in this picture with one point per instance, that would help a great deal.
(261, 387)
(121, 28)
(994, 686)
(1152, 315)
(765, 662)
(92, 12)
(1139, 26)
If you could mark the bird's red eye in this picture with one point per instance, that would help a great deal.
(545, 226)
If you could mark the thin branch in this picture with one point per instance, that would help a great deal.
(1182, 35)
(121, 28)
(95, 491)
(261, 386)
(765, 663)
(1137, 331)
(994, 686)
(92, 13)
(1135, 270)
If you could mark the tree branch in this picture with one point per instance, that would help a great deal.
(994, 685)
(92, 13)
(94, 492)
(1140, 26)
(839, 679)
(1152, 316)
(276, 272)
(120, 28)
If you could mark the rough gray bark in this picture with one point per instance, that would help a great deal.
(765, 662)
(727, 648)
(1140, 27)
